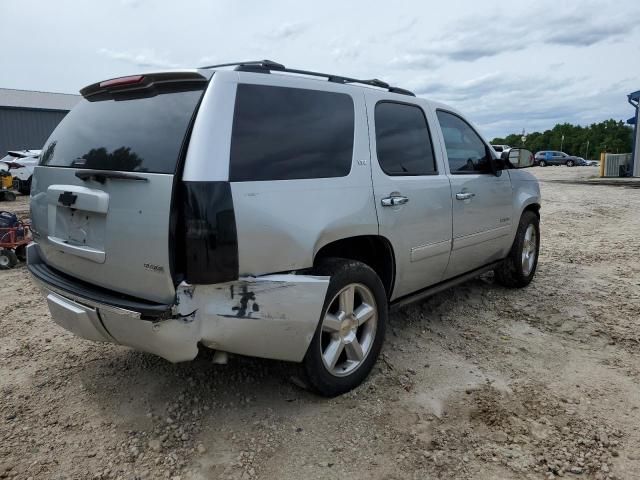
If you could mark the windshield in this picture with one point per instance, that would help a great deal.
(142, 134)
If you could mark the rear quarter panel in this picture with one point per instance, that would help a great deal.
(282, 224)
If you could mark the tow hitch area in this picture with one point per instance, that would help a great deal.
(273, 316)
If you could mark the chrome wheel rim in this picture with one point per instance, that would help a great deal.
(4, 260)
(348, 329)
(529, 250)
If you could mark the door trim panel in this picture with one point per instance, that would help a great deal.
(430, 250)
(480, 237)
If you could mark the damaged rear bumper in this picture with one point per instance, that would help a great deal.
(272, 316)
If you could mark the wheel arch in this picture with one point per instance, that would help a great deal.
(375, 251)
(532, 207)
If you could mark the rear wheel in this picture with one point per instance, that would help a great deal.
(8, 259)
(351, 329)
(518, 269)
(570, 163)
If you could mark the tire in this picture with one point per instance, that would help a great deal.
(7, 196)
(519, 268)
(8, 259)
(570, 163)
(543, 163)
(25, 187)
(21, 253)
(342, 354)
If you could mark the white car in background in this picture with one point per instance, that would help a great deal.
(20, 164)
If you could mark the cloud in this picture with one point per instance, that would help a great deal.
(404, 27)
(493, 85)
(466, 42)
(142, 58)
(347, 53)
(131, 3)
(587, 34)
(287, 31)
(502, 103)
(416, 61)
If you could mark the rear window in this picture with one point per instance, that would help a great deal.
(141, 134)
(282, 133)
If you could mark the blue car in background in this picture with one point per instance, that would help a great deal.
(554, 157)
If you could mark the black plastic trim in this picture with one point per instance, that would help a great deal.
(78, 288)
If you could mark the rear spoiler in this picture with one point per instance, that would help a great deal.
(146, 82)
(17, 154)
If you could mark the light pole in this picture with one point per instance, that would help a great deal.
(561, 143)
(586, 152)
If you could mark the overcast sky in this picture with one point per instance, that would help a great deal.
(507, 65)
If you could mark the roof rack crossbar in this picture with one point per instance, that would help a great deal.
(268, 65)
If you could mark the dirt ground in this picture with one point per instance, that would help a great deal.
(478, 382)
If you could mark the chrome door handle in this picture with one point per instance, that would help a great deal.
(465, 195)
(394, 200)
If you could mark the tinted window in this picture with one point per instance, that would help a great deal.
(290, 133)
(466, 151)
(403, 142)
(142, 134)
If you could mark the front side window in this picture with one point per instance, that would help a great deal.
(466, 151)
(282, 133)
(403, 142)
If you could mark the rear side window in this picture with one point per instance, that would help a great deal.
(132, 134)
(282, 133)
(403, 142)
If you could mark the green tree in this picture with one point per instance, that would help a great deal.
(611, 136)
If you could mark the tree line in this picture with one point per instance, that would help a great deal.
(610, 136)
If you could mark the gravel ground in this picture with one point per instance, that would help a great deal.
(476, 382)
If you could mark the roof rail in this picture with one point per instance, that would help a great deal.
(266, 66)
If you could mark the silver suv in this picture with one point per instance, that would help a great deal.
(269, 212)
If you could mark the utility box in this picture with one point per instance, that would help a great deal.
(615, 164)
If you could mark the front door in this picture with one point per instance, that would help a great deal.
(412, 194)
(482, 200)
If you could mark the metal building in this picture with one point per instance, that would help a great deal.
(27, 118)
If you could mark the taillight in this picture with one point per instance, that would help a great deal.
(122, 81)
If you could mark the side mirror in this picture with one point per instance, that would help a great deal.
(518, 158)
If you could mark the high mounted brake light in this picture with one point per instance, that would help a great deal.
(140, 83)
(118, 82)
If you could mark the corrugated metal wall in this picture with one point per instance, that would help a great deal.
(22, 129)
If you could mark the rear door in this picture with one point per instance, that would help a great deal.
(102, 193)
(412, 195)
(482, 200)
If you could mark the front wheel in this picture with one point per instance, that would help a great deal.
(543, 163)
(570, 163)
(351, 330)
(518, 269)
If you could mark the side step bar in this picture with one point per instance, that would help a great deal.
(429, 291)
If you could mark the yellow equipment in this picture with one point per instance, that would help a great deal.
(6, 183)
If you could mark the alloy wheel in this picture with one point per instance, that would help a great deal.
(529, 250)
(348, 329)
